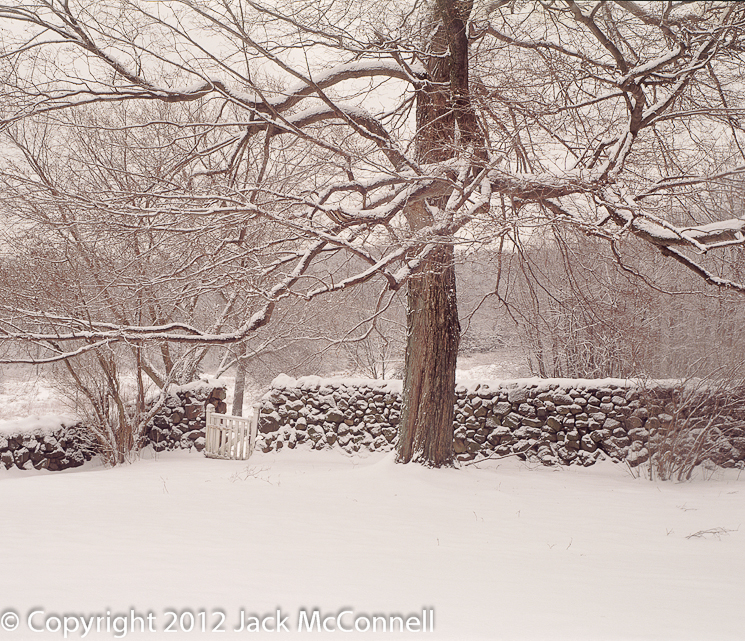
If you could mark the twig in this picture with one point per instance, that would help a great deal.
(716, 531)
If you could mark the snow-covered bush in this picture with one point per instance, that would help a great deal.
(697, 421)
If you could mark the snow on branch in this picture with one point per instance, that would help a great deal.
(628, 214)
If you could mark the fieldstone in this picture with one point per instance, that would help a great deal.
(512, 420)
(638, 434)
(7, 459)
(521, 432)
(534, 432)
(567, 454)
(193, 410)
(492, 422)
(295, 405)
(547, 456)
(517, 395)
(585, 458)
(472, 446)
(21, 455)
(56, 453)
(634, 422)
(637, 457)
(76, 458)
(502, 408)
(562, 399)
(49, 443)
(532, 422)
(269, 422)
(334, 415)
(599, 435)
(588, 443)
(380, 443)
(620, 441)
(218, 393)
(611, 424)
(390, 434)
(526, 409)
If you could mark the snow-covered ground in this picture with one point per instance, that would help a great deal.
(28, 401)
(497, 551)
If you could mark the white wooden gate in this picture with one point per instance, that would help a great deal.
(230, 437)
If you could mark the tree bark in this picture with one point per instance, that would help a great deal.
(433, 330)
(433, 335)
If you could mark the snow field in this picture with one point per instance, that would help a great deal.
(498, 551)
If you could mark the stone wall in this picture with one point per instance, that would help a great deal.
(58, 449)
(179, 424)
(351, 414)
(553, 421)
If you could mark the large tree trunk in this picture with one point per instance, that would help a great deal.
(433, 335)
(433, 331)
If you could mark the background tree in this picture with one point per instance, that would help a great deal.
(438, 124)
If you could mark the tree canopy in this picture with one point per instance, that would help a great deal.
(212, 157)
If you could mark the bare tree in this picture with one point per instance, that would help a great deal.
(437, 123)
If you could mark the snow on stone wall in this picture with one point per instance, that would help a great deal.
(57, 449)
(555, 421)
(352, 414)
(179, 424)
